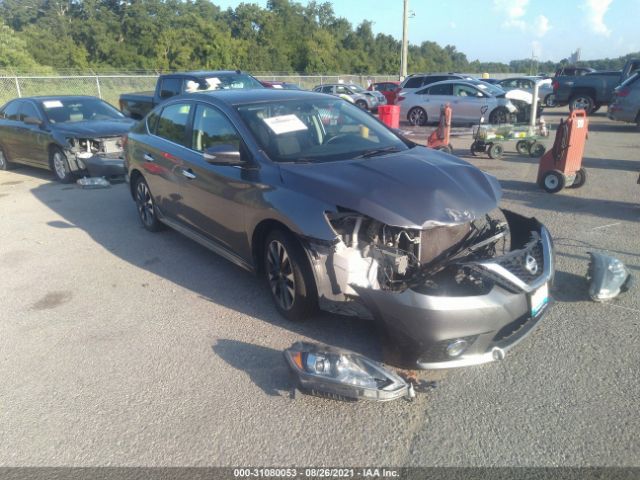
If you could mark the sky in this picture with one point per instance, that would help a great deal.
(503, 30)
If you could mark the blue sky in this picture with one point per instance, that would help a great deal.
(503, 30)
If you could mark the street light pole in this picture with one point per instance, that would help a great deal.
(405, 40)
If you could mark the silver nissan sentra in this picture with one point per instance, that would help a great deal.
(338, 212)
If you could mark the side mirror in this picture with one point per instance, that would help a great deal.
(32, 121)
(223, 155)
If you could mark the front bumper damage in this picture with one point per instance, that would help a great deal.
(102, 157)
(432, 324)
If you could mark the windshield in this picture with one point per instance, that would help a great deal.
(631, 79)
(492, 90)
(230, 82)
(67, 110)
(356, 88)
(317, 130)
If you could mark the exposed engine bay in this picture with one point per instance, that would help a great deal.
(82, 149)
(435, 261)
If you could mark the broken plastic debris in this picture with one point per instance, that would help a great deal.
(607, 277)
(93, 182)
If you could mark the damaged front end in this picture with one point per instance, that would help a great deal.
(100, 157)
(456, 294)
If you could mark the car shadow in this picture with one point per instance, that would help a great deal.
(109, 217)
(569, 287)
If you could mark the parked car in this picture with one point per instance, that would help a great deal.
(281, 85)
(625, 105)
(137, 105)
(69, 135)
(469, 100)
(337, 211)
(545, 90)
(592, 90)
(573, 71)
(418, 81)
(362, 98)
(388, 89)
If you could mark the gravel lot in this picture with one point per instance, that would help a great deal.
(121, 347)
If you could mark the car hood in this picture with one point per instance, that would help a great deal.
(95, 128)
(419, 188)
(522, 95)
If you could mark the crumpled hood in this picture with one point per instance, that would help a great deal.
(521, 95)
(418, 188)
(95, 128)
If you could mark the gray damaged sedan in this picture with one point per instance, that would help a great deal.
(338, 212)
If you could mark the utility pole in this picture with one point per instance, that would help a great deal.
(405, 40)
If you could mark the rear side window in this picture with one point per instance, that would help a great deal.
(170, 87)
(413, 82)
(328, 89)
(210, 128)
(172, 124)
(446, 89)
(11, 111)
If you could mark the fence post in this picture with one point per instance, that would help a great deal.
(98, 85)
(18, 87)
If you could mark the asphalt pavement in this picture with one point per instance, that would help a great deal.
(123, 347)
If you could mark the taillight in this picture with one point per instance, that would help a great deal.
(556, 85)
(623, 92)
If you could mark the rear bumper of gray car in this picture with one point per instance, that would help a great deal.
(434, 328)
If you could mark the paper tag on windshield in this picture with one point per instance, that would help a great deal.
(52, 104)
(285, 124)
(276, 86)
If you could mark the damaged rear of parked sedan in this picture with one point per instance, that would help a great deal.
(338, 212)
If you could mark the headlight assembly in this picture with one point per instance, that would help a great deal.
(343, 375)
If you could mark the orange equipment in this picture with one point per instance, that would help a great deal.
(439, 138)
(562, 165)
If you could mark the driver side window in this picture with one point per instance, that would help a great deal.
(28, 110)
(211, 128)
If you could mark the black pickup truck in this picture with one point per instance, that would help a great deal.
(137, 105)
(592, 90)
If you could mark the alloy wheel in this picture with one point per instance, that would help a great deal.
(280, 275)
(59, 165)
(3, 160)
(145, 204)
(417, 117)
(551, 182)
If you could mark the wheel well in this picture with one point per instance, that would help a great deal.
(259, 236)
(135, 174)
(499, 108)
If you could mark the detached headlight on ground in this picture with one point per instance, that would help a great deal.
(343, 375)
(607, 277)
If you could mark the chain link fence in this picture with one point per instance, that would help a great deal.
(110, 86)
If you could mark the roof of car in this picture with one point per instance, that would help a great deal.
(44, 98)
(244, 96)
(206, 73)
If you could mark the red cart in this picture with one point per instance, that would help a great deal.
(562, 165)
(439, 138)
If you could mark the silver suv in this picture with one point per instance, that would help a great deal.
(363, 98)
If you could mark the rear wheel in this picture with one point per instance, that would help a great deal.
(5, 164)
(289, 276)
(495, 151)
(417, 116)
(581, 178)
(522, 147)
(537, 150)
(362, 104)
(553, 181)
(146, 206)
(582, 102)
(550, 100)
(60, 166)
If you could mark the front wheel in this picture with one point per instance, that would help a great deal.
(499, 115)
(582, 102)
(417, 116)
(550, 100)
(522, 147)
(495, 151)
(362, 104)
(537, 150)
(553, 181)
(289, 276)
(60, 166)
(4, 161)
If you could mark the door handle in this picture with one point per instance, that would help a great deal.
(148, 158)
(189, 174)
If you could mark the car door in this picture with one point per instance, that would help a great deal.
(9, 130)
(468, 102)
(33, 139)
(213, 194)
(434, 97)
(161, 155)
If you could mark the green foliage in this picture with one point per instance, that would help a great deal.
(286, 36)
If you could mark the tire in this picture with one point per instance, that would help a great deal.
(146, 206)
(474, 148)
(582, 101)
(362, 104)
(495, 151)
(581, 178)
(553, 181)
(417, 116)
(550, 100)
(499, 115)
(596, 108)
(522, 147)
(536, 150)
(289, 276)
(60, 166)
(445, 149)
(5, 164)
